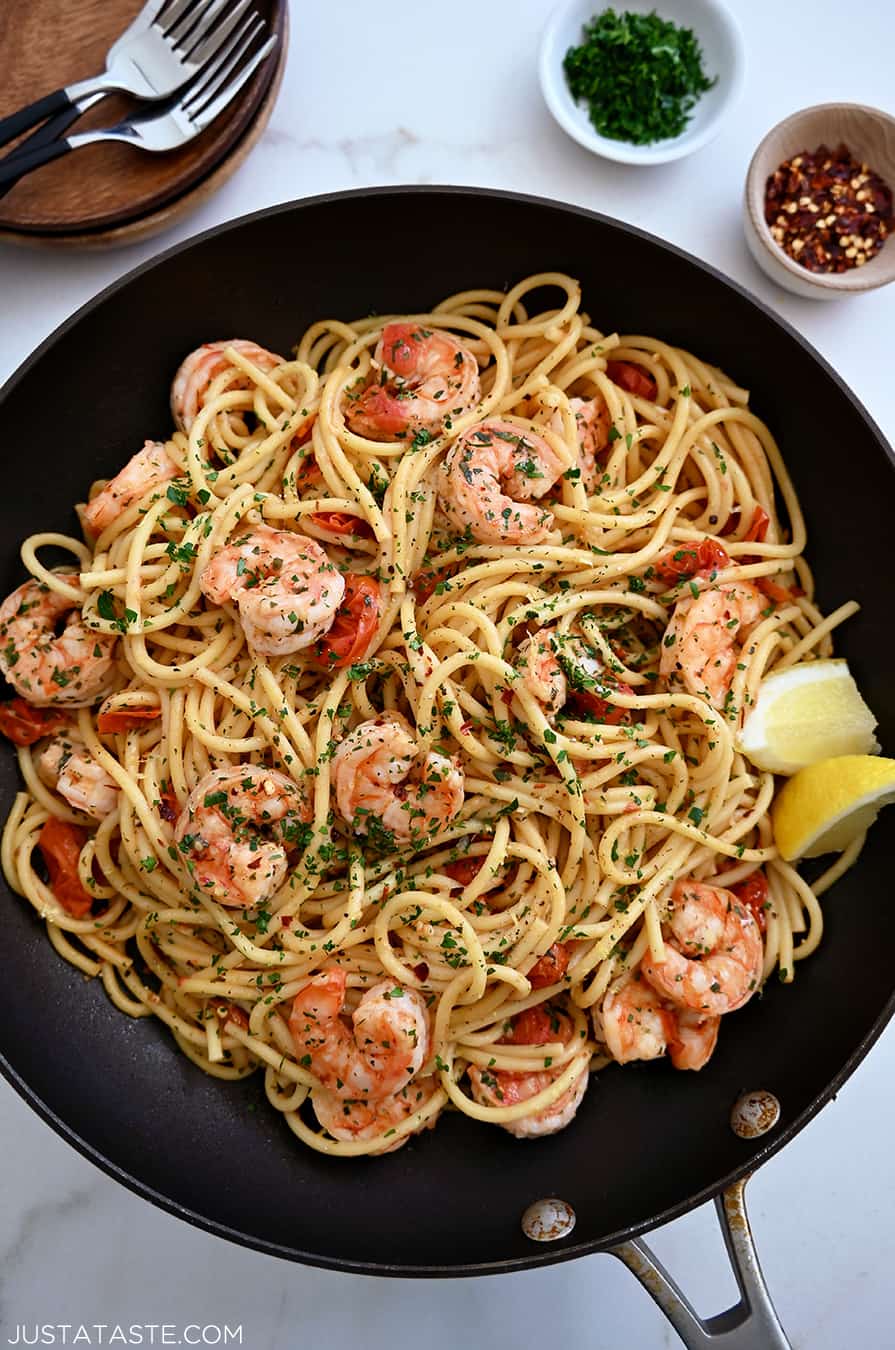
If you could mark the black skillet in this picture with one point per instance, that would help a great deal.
(450, 1203)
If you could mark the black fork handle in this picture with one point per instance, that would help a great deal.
(14, 167)
(50, 130)
(17, 122)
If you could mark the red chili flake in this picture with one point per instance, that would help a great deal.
(827, 210)
(421, 971)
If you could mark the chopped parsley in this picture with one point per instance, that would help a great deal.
(639, 76)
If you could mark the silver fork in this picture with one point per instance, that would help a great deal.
(166, 46)
(178, 120)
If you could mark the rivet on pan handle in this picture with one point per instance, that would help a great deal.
(751, 1324)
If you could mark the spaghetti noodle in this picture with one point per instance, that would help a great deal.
(402, 682)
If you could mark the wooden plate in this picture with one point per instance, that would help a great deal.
(104, 190)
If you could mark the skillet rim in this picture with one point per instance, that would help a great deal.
(550, 1255)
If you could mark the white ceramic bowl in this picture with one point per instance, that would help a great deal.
(719, 36)
(870, 135)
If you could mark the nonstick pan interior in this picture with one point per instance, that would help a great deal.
(647, 1142)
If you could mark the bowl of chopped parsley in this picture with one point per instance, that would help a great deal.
(644, 83)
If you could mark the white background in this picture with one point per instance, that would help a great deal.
(448, 93)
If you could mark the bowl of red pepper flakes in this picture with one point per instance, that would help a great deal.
(818, 208)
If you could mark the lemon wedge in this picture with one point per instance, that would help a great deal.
(825, 806)
(809, 712)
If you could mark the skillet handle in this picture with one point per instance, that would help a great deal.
(751, 1324)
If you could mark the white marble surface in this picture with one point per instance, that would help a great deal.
(436, 93)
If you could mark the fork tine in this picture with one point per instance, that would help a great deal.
(219, 69)
(210, 112)
(213, 41)
(173, 11)
(189, 15)
(204, 27)
(148, 15)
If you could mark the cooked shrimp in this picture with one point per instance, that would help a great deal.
(383, 1050)
(285, 587)
(489, 477)
(694, 1040)
(65, 765)
(382, 790)
(147, 469)
(420, 378)
(367, 1120)
(237, 830)
(197, 371)
(713, 951)
(556, 665)
(500, 1088)
(508, 1089)
(594, 426)
(703, 640)
(75, 668)
(638, 1024)
(541, 672)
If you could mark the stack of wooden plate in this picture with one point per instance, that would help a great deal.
(112, 193)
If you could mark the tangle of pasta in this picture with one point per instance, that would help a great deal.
(414, 665)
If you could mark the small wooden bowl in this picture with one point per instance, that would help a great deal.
(870, 136)
(114, 194)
